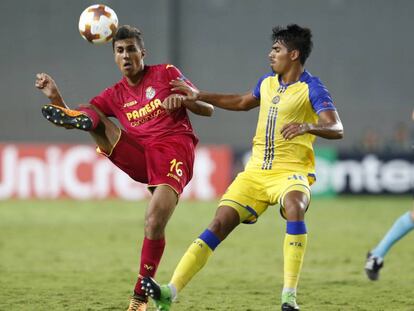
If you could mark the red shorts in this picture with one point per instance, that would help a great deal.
(166, 161)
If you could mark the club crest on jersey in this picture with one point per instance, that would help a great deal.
(276, 99)
(149, 92)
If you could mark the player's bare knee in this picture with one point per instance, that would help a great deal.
(295, 204)
(154, 227)
(216, 226)
(222, 225)
(159, 211)
(294, 213)
(157, 218)
(218, 229)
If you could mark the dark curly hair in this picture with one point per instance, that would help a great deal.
(295, 38)
(128, 32)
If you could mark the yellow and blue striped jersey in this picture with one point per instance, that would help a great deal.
(280, 104)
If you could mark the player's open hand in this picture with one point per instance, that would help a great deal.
(291, 130)
(46, 84)
(191, 93)
(173, 102)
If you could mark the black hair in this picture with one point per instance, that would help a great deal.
(295, 38)
(128, 32)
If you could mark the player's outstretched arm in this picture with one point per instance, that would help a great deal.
(200, 108)
(234, 102)
(237, 102)
(329, 126)
(48, 86)
(176, 101)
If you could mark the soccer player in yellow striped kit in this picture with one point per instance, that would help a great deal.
(294, 108)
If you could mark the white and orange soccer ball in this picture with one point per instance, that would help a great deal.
(98, 23)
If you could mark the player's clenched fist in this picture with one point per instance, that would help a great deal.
(46, 84)
(173, 102)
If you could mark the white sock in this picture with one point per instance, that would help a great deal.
(174, 294)
(288, 290)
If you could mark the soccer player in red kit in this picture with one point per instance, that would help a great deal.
(157, 143)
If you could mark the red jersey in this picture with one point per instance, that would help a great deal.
(138, 108)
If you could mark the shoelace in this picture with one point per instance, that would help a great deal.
(290, 298)
(135, 303)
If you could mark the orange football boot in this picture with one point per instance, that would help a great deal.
(137, 304)
(67, 118)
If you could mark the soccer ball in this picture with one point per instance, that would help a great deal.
(98, 23)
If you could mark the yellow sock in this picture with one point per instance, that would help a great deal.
(193, 260)
(293, 251)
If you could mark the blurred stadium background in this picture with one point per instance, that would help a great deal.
(362, 52)
(364, 58)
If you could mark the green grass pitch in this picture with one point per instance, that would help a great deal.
(67, 255)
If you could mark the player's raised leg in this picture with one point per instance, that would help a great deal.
(294, 204)
(196, 256)
(375, 258)
(88, 118)
(58, 112)
(104, 132)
